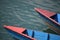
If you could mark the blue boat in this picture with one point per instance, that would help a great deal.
(27, 34)
(51, 18)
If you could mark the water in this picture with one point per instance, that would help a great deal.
(21, 13)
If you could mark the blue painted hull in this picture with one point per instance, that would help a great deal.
(33, 34)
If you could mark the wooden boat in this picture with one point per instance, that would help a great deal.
(27, 34)
(51, 18)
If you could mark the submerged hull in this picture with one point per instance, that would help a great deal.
(27, 34)
(46, 16)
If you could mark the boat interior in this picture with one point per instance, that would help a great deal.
(56, 17)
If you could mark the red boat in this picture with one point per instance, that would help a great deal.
(27, 34)
(51, 18)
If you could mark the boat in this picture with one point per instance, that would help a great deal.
(51, 18)
(28, 34)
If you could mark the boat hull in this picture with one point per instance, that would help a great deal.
(46, 17)
(29, 34)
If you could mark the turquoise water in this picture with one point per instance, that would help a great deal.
(21, 13)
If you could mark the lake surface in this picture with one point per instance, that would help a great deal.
(21, 13)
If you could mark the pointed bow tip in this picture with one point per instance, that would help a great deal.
(36, 8)
(4, 26)
(39, 9)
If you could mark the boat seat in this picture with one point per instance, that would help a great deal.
(56, 17)
(54, 37)
(30, 32)
(40, 35)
